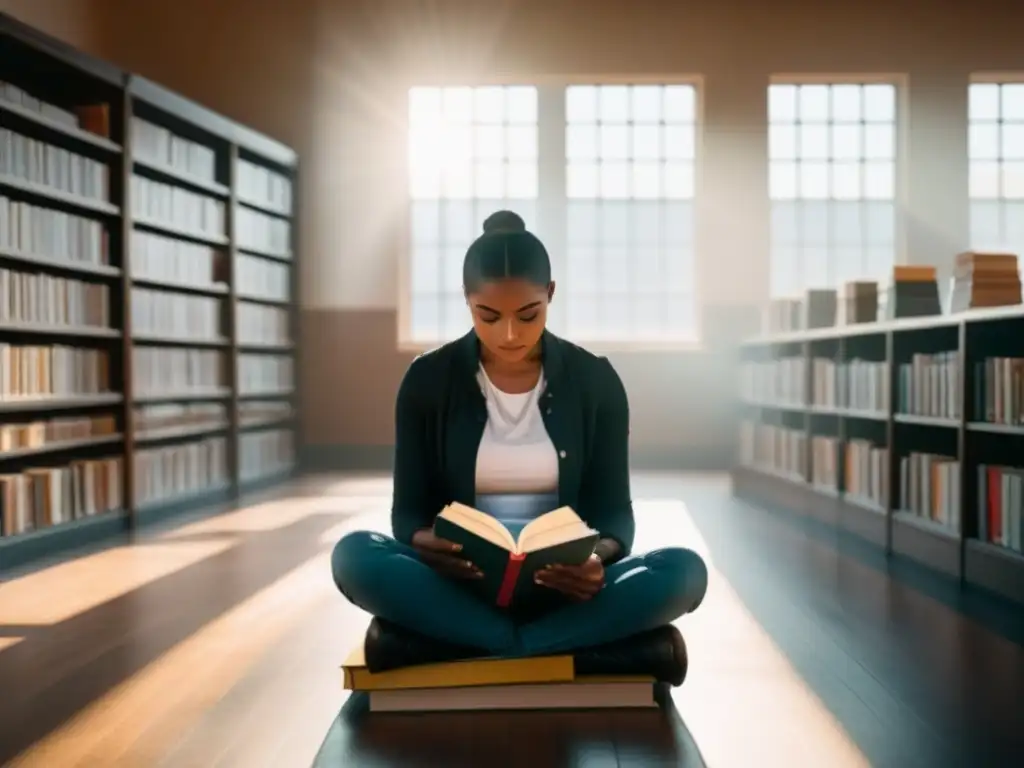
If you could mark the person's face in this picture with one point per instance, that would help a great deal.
(509, 316)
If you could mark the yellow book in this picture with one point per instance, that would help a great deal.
(457, 674)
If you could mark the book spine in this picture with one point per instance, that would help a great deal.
(510, 579)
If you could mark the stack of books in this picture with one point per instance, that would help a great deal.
(539, 682)
(985, 280)
(820, 308)
(858, 304)
(914, 292)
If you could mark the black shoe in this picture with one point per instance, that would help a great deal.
(389, 646)
(660, 652)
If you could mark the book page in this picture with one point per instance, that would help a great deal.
(555, 527)
(480, 524)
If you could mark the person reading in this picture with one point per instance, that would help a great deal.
(515, 422)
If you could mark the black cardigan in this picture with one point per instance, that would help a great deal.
(441, 414)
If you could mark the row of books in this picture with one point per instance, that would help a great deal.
(999, 390)
(36, 231)
(259, 277)
(262, 325)
(178, 315)
(166, 259)
(160, 203)
(38, 371)
(39, 433)
(161, 474)
(782, 381)
(929, 385)
(151, 419)
(46, 496)
(1001, 506)
(170, 371)
(930, 487)
(859, 468)
(857, 385)
(12, 94)
(39, 298)
(266, 452)
(59, 169)
(264, 373)
(261, 186)
(773, 448)
(255, 231)
(162, 147)
(258, 411)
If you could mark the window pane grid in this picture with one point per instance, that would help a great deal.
(630, 184)
(996, 166)
(832, 183)
(472, 151)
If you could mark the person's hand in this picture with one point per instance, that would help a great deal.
(580, 582)
(442, 555)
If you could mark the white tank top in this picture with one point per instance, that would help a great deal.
(516, 455)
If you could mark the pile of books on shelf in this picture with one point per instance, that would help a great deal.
(160, 371)
(985, 280)
(163, 147)
(260, 233)
(46, 496)
(31, 230)
(1001, 506)
(864, 386)
(38, 433)
(164, 259)
(82, 118)
(38, 298)
(59, 169)
(858, 303)
(866, 473)
(930, 488)
(774, 449)
(261, 278)
(825, 462)
(265, 453)
(258, 374)
(774, 382)
(263, 187)
(913, 292)
(167, 472)
(251, 412)
(929, 385)
(999, 390)
(176, 315)
(169, 206)
(259, 325)
(37, 372)
(152, 419)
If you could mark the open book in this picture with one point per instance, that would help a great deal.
(508, 562)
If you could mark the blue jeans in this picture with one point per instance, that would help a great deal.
(387, 579)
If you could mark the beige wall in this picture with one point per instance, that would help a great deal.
(329, 78)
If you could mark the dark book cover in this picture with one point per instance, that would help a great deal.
(507, 577)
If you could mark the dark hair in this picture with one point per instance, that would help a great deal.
(505, 250)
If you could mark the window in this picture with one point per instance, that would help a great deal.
(472, 150)
(996, 166)
(832, 184)
(629, 189)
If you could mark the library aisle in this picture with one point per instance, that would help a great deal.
(217, 641)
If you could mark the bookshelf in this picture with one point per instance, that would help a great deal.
(907, 433)
(147, 301)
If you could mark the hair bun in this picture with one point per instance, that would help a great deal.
(504, 222)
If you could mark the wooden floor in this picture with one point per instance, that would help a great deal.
(217, 643)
